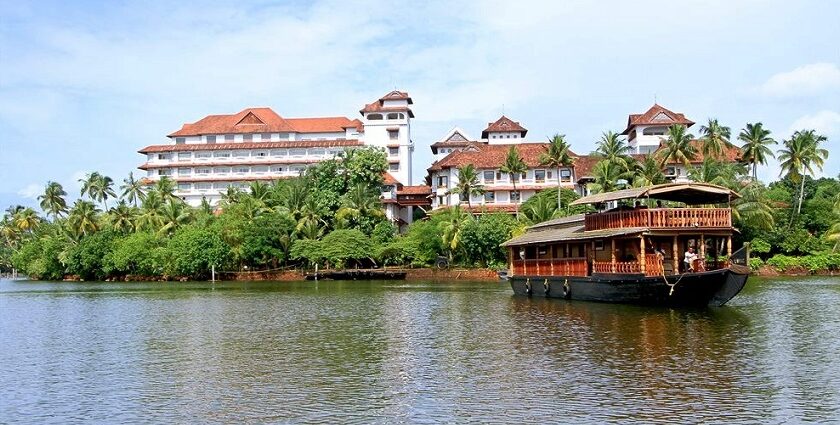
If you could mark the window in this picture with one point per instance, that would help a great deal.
(283, 136)
(183, 187)
(393, 134)
(549, 175)
(184, 156)
(654, 131)
(539, 176)
(203, 155)
(393, 116)
(515, 196)
(670, 171)
(164, 172)
(394, 166)
(498, 175)
(508, 136)
(228, 137)
(515, 136)
(221, 154)
(443, 181)
(374, 117)
(184, 171)
(393, 151)
(276, 169)
(202, 171)
(242, 170)
(221, 170)
(489, 197)
(524, 175)
(298, 153)
(565, 175)
(221, 185)
(462, 196)
(180, 140)
(164, 156)
(488, 176)
(317, 152)
(211, 140)
(203, 186)
(247, 137)
(261, 154)
(265, 137)
(241, 154)
(261, 169)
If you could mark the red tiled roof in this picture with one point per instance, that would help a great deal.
(379, 104)
(584, 165)
(262, 120)
(731, 154)
(252, 145)
(151, 165)
(321, 125)
(415, 190)
(396, 95)
(491, 208)
(483, 155)
(389, 179)
(503, 124)
(360, 127)
(656, 115)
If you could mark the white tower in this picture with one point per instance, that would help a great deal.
(387, 124)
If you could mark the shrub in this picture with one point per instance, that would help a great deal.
(759, 246)
(482, 237)
(192, 251)
(756, 263)
(822, 261)
(783, 262)
(137, 254)
(87, 258)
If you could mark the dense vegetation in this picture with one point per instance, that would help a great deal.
(332, 215)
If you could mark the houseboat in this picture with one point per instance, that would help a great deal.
(668, 244)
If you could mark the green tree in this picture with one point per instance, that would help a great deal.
(715, 140)
(451, 225)
(265, 241)
(26, 220)
(468, 185)
(756, 148)
(361, 209)
(151, 212)
(193, 251)
(482, 238)
(608, 177)
(52, 201)
(135, 254)
(678, 147)
(558, 155)
(123, 217)
(800, 155)
(132, 189)
(86, 259)
(83, 218)
(514, 166)
(165, 187)
(647, 172)
(174, 215)
(614, 149)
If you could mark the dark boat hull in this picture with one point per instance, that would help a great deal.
(712, 288)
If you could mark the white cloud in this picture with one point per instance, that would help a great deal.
(811, 79)
(31, 191)
(824, 122)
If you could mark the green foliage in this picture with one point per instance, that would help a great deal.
(338, 248)
(756, 263)
(481, 238)
(543, 206)
(266, 240)
(759, 246)
(783, 262)
(38, 258)
(822, 261)
(87, 258)
(192, 251)
(136, 254)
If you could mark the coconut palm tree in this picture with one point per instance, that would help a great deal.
(468, 185)
(800, 155)
(260, 191)
(558, 155)
(756, 146)
(715, 139)
(133, 190)
(123, 217)
(9, 231)
(52, 201)
(647, 172)
(26, 220)
(613, 148)
(174, 215)
(151, 212)
(165, 187)
(753, 207)
(89, 182)
(678, 147)
(360, 202)
(231, 195)
(451, 228)
(715, 172)
(98, 187)
(608, 176)
(83, 218)
(539, 210)
(514, 166)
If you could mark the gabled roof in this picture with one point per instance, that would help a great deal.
(388, 179)
(379, 104)
(689, 193)
(456, 137)
(483, 155)
(252, 145)
(262, 120)
(657, 114)
(396, 95)
(503, 124)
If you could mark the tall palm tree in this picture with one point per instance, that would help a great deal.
(514, 166)
(9, 231)
(648, 172)
(52, 201)
(678, 147)
(98, 187)
(614, 149)
(539, 210)
(714, 172)
(151, 212)
(26, 220)
(133, 190)
(558, 155)
(756, 146)
(753, 207)
(259, 191)
(715, 139)
(360, 202)
(174, 215)
(123, 217)
(608, 176)
(231, 195)
(800, 155)
(83, 218)
(451, 228)
(165, 187)
(89, 183)
(468, 185)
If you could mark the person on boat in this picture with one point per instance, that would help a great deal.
(690, 256)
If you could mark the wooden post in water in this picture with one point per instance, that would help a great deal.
(676, 259)
(642, 255)
(510, 261)
(213, 273)
(612, 255)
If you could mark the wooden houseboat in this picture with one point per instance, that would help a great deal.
(635, 253)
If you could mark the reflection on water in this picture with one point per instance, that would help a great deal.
(411, 352)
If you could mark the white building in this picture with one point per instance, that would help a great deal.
(645, 132)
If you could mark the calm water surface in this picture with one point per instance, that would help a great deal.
(394, 352)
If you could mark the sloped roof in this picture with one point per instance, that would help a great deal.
(731, 154)
(483, 155)
(689, 193)
(415, 190)
(560, 222)
(503, 124)
(262, 120)
(321, 125)
(252, 145)
(379, 104)
(571, 233)
(388, 179)
(657, 114)
(456, 137)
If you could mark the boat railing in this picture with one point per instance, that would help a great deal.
(551, 267)
(660, 218)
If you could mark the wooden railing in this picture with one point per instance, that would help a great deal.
(554, 267)
(654, 265)
(660, 217)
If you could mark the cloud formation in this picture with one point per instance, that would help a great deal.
(807, 80)
(824, 122)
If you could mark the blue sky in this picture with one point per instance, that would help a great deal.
(84, 85)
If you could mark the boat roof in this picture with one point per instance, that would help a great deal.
(689, 193)
(572, 233)
(557, 222)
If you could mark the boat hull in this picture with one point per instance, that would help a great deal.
(712, 288)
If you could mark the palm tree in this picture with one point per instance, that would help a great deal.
(174, 215)
(83, 218)
(123, 217)
(514, 166)
(558, 155)
(755, 150)
(52, 201)
(165, 187)
(89, 183)
(607, 176)
(753, 207)
(715, 138)
(678, 147)
(98, 187)
(613, 148)
(133, 190)
(833, 233)
(26, 220)
(362, 201)
(260, 191)
(151, 212)
(468, 185)
(800, 154)
(231, 195)
(648, 172)
(714, 172)
(9, 231)
(540, 209)
(451, 228)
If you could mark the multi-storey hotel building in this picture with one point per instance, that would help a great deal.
(206, 157)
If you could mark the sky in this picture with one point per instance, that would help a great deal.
(84, 85)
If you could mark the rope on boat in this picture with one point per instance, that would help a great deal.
(671, 292)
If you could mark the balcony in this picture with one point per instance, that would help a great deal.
(552, 267)
(664, 218)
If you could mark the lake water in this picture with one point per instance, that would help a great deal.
(411, 352)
